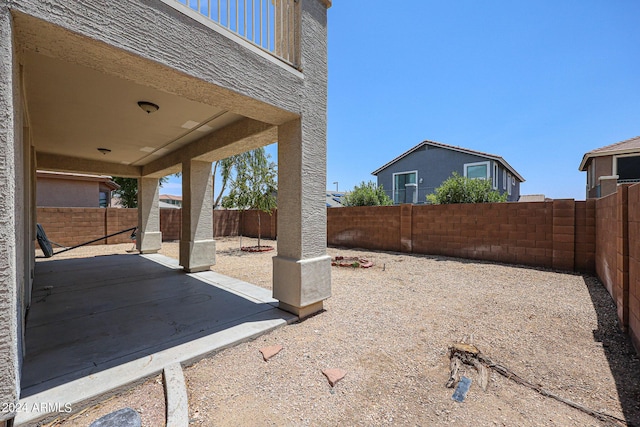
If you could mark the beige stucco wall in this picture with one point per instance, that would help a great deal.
(67, 193)
(11, 239)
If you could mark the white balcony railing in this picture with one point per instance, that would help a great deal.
(272, 25)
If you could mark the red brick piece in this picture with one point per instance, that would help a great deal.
(334, 375)
(270, 351)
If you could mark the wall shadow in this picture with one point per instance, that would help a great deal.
(618, 349)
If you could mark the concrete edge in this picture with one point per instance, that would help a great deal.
(111, 381)
(237, 287)
(175, 391)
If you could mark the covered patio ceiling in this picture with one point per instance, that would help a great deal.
(82, 95)
(74, 110)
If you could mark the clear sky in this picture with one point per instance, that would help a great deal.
(537, 82)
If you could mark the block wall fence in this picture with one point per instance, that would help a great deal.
(595, 236)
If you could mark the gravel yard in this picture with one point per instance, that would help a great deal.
(389, 327)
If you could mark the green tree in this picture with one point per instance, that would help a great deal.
(367, 194)
(226, 169)
(460, 189)
(128, 190)
(254, 184)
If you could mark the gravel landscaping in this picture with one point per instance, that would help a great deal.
(389, 327)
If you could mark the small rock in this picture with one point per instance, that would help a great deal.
(334, 375)
(125, 417)
(270, 351)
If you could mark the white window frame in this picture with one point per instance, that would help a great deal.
(509, 184)
(393, 184)
(496, 172)
(487, 164)
(504, 179)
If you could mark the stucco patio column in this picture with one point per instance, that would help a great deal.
(149, 239)
(197, 247)
(11, 241)
(302, 268)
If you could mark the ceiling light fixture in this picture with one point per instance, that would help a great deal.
(104, 151)
(148, 107)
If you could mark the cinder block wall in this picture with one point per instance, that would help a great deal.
(72, 226)
(558, 234)
(585, 236)
(503, 232)
(634, 264)
(170, 224)
(606, 232)
(365, 227)
(117, 220)
(249, 223)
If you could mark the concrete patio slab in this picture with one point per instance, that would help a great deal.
(98, 324)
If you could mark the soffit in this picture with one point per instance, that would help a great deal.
(74, 110)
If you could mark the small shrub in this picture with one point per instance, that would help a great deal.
(460, 189)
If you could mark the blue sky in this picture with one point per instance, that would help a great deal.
(538, 82)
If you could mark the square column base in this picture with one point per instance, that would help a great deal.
(302, 312)
(301, 285)
(198, 255)
(149, 242)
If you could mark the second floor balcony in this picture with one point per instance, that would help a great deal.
(273, 26)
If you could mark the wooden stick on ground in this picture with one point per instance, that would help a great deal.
(470, 355)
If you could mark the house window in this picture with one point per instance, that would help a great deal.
(405, 187)
(495, 176)
(509, 184)
(628, 168)
(479, 170)
(504, 179)
(104, 201)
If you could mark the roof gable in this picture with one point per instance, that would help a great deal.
(499, 159)
(628, 146)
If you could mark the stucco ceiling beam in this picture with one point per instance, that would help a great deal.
(58, 163)
(238, 137)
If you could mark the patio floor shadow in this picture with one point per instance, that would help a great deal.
(92, 314)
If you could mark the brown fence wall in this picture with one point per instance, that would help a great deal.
(365, 227)
(170, 224)
(558, 234)
(249, 223)
(606, 232)
(634, 263)
(118, 220)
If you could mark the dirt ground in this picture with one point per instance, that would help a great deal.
(390, 327)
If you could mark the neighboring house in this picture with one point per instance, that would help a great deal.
(609, 166)
(73, 190)
(171, 199)
(525, 198)
(147, 88)
(334, 199)
(410, 177)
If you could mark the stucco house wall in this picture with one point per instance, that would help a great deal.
(434, 165)
(72, 191)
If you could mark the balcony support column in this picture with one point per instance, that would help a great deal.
(302, 268)
(149, 238)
